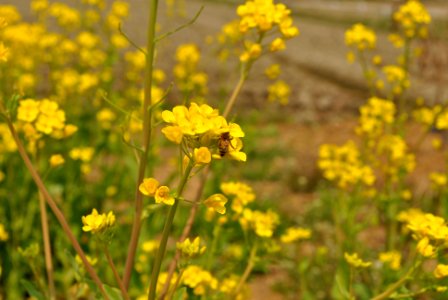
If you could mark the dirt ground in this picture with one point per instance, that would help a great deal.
(326, 90)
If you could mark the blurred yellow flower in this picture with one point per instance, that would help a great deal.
(217, 202)
(355, 261)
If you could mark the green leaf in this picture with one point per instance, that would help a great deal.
(31, 289)
(113, 293)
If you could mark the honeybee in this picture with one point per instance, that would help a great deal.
(224, 142)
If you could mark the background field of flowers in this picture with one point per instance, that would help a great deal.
(272, 150)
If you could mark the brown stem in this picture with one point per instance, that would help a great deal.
(57, 212)
(114, 270)
(47, 247)
(147, 127)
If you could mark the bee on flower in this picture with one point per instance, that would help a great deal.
(201, 126)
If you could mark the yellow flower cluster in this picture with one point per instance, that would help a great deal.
(243, 194)
(263, 223)
(430, 231)
(202, 126)
(258, 19)
(190, 81)
(392, 259)
(98, 223)
(43, 117)
(189, 248)
(356, 262)
(395, 149)
(199, 280)
(427, 116)
(293, 234)
(397, 78)
(375, 117)
(264, 15)
(343, 165)
(279, 91)
(413, 19)
(360, 37)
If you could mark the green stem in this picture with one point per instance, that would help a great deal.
(166, 232)
(392, 288)
(235, 93)
(366, 72)
(248, 270)
(147, 128)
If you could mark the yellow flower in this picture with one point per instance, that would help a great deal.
(277, 45)
(279, 91)
(97, 223)
(361, 37)
(355, 261)
(273, 71)
(199, 280)
(28, 110)
(56, 160)
(441, 271)
(3, 234)
(92, 261)
(262, 223)
(392, 258)
(439, 180)
(163, 195)
(191, 249)
(83, 154)
(217, 202)
(149, 187)
(425, 248)
(150, 246)
(4, 53)
(202, 155)
(295, 233)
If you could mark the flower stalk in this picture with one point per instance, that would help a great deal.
(166, 232)
(147, 128)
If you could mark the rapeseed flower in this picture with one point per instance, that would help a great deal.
(163, 195)
(199, 280)
(149, 187)
(98, 223)
(441, 271)
(356, 262)
(56, 160)
(216, 202)
(191, 248)
(360, 37)
(293, 234)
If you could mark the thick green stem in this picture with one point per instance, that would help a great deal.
(165, 234)
(147, 128)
